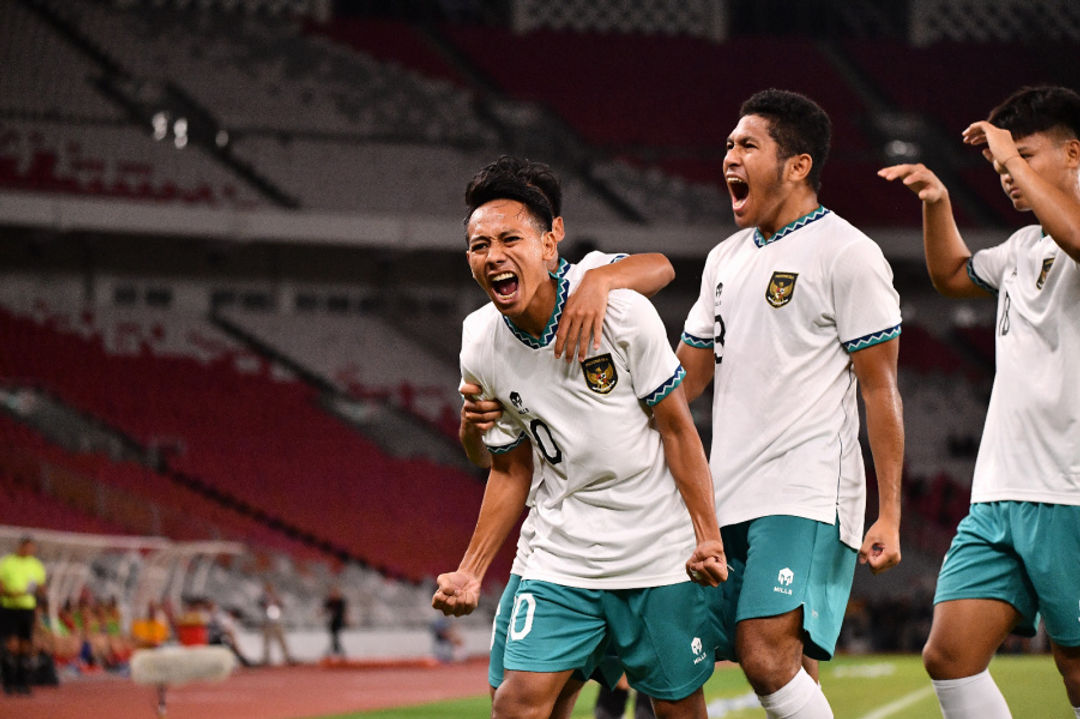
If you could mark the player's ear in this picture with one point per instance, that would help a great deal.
(558, 229)
(550, 248)
(799, 166)
(1072, 153)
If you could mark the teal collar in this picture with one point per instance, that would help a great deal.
(787, 229)
(562, 291)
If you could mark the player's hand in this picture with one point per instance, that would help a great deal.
(458, 593)
(917, 178)
(1000, 146)
(479, 413)
(881, 548)
(708, 564)
(582, 321)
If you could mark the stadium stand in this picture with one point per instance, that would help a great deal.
(234, 391)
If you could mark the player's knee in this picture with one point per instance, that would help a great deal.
(1068, 664)
(510, 703)
(940, 663)
(767, 671)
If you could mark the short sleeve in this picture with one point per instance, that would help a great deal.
(866, 303)
(700, 324)
(504, 435)
(654, 369)
(595, 259)
(987, 268)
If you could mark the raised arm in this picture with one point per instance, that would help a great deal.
(875, 368)
(507, 489)
(686, 460)
(583, 315)
(1058, 212)
(946, 252)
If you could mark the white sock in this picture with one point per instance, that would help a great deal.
(1076, 710)
(801, 698)
(975, 697)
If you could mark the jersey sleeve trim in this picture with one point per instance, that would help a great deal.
(872, 339)
(978, 281)
(504, 448)
(694, 341)
(653, 398)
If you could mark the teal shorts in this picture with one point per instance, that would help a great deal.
(607, 672)
(498, 630)
(779, 564)
(1023, 553)
(660, 634)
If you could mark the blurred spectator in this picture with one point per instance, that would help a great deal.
(336, 610)
(446, 640)
(222, 631)
(273, 627)
(151, 629)
(22, 577)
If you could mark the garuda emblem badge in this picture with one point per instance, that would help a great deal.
(600, 374)
(781, 288)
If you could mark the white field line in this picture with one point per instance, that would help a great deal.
(902, 703)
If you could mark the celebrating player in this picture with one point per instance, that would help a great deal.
(625, 497)
(582, 320)
(795, 310)
(1015, 553)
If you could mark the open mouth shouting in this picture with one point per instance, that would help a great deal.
(739, 191)
(504, 287)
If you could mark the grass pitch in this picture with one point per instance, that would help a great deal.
(858, 687)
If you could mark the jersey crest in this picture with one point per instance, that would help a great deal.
(781, 288)
(1046, 265)
(600, 374)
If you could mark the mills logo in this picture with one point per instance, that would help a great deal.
(784, 579)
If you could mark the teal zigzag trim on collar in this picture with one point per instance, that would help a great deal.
(561, 270)
(760, 241)
(561, 293)
(872, 339)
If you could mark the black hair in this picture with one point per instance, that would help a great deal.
(1038, 109)
(533, 184)
(797, 124)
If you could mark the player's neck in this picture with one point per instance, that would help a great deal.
(796, 204)
(537, 314)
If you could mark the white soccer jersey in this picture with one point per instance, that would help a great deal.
(782, 316)
(590, 261)
(607, 513)
(1030, 449)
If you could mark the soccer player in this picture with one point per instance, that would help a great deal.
(625, 497)
(1015, 554)
(580, 324)
(796, 310)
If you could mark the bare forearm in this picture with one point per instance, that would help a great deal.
(646, 273)
(885, 430)
(1058, 213)
(504, 501)
(946, 252)
(689, 467)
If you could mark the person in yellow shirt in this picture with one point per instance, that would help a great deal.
(22, 576)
